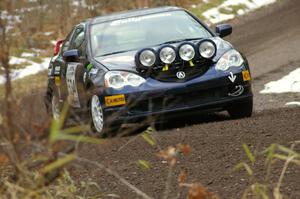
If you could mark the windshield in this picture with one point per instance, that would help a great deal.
(144, 31)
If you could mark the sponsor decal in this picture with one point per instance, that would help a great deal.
(191, 63)
(138, 19)
(73, 97)
(57, 81)
(57, 70)
(50, 71)
(165, 68)
(246, 75)
(238, 91)
(89, 67)
(115, 100)
(232, 77)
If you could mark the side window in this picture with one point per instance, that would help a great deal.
(78, 40)
(67, 41)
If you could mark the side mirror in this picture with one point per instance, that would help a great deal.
(71, 55)
(223, 30)
(57, 47)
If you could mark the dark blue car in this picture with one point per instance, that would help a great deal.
(142, 64)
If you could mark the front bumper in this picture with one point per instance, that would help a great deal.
(209, 92)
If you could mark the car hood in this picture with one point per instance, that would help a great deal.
(121, 61)
(126, 60)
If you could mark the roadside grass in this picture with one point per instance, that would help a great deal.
(233, 9)
(264, 189)
(18, 51)
(20, 66)
(27, 85)
(202, 7)
(41, 174)
(27, 62)
(35, 59)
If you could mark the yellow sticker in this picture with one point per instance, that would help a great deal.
(57, 80)
(115, 100)
(246, 75)
(191, 63)
(165, 68)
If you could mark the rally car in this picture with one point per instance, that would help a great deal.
(131, 66)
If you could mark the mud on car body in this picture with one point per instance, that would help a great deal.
(130, 66)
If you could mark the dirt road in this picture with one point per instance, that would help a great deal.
(270, 38)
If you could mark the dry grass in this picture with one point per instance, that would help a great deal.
(27, 85)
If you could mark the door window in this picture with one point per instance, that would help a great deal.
(78, 41)
(67, 41)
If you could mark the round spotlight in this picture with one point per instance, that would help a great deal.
(147, 58)
(187, 52)
(207, 49)
(167, 55)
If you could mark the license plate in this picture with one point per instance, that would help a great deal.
(115, 100)
(246, 75)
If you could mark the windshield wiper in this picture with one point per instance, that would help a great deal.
(112, 53)
(180, 40)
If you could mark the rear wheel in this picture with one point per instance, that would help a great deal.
(241, 109)
(55, 106)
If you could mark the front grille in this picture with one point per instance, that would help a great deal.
(176, 101)
(201, 67)
(157, 104)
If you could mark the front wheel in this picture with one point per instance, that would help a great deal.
(97, 116)
(241, 109)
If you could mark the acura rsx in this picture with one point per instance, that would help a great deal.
(130, 66)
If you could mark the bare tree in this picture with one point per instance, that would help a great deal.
(8, 133)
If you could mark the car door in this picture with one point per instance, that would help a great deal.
(73, 71)
(56, 68)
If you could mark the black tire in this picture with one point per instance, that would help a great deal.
(242, 109)
(96, 117)
(60, 105)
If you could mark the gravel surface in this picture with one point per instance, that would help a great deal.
(216, 150)
(270, 38)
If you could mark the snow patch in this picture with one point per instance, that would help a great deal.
(48, 33)
(53, 42)
(293, 104)
(214, 15)
(24, 54)
(34, 68)
(16, 60)
(287, 84)
(79, 3)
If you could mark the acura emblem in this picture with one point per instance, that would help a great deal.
(180, 75)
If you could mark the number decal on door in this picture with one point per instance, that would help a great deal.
(73, 97)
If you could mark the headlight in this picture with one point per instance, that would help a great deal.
(147, 58)
(167, 55)
(187, 52)
(207, 49)
(119, 79)
(232, 58)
